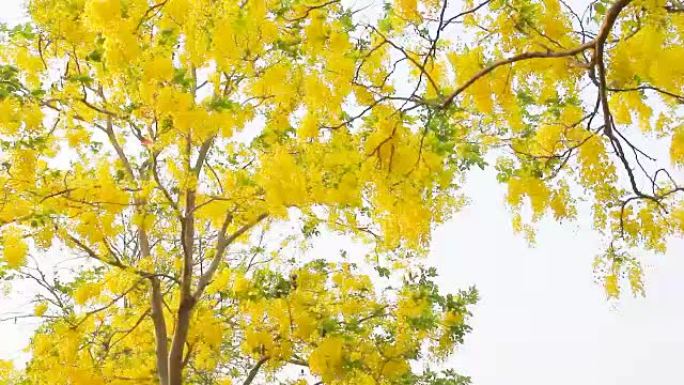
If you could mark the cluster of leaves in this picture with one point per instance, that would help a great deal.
(324, 317)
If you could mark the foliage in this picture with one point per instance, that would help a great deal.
(158, 140)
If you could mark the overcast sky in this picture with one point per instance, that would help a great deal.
(542, 320)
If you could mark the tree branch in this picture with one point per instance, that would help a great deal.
(222, 244)
(255, 370)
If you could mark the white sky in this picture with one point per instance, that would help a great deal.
(541, 319)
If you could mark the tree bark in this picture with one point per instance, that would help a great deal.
(179, 339)
(162, 348)
(187, 302)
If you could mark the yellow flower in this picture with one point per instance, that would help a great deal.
(14, 247)
(612, 286)
(677, 146)
(40, 308)
(327, 359)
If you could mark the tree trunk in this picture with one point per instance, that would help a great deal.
(179, 339)
(162, 348)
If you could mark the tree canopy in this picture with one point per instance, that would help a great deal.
(165, 142)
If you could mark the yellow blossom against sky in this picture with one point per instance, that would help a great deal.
(217, 192)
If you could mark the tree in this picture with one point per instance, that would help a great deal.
(166, 142)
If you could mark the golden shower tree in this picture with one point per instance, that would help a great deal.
(166, 142)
